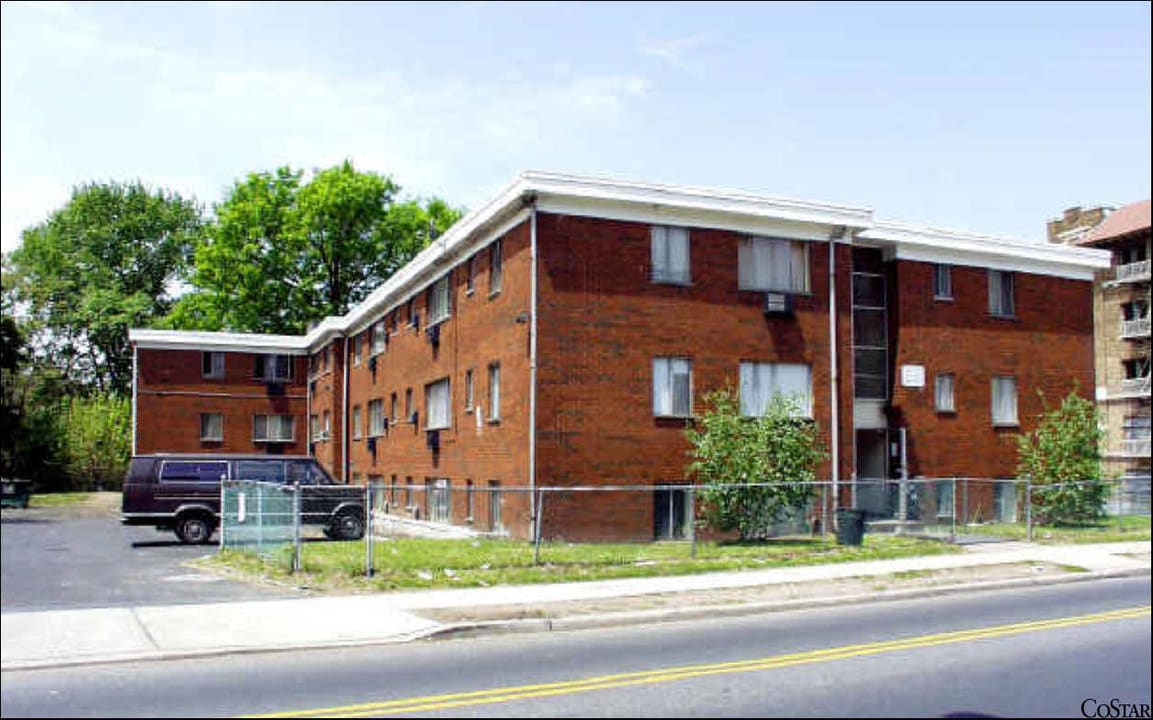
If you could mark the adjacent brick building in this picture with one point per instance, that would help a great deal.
(565, 334)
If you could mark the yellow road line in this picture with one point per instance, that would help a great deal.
(649, 677)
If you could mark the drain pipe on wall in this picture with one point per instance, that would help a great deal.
(135, 382)
(345, 465)
(834, 381)
(534, 506)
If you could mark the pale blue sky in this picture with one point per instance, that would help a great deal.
(984, 117)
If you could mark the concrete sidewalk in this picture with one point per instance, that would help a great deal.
(73, 637)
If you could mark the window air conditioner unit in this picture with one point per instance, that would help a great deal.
(434, 440)
(777, 303)
(433, 332)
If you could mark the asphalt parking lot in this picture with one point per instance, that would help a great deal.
(82, 557)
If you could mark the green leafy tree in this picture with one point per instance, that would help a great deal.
(98, 441)
(284, 252)
(1062, 456)
(753, 471)
(103, 263)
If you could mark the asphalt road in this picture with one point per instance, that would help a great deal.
(826, 662)
(82, 557)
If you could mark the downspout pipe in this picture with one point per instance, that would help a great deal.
(834, 379)
(345, 464)
(135, 381)
(532, 334)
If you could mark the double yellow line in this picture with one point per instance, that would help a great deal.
(650, 677)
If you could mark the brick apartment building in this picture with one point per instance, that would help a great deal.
(1121, 307)
(565, 333)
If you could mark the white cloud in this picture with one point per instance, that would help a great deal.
(676, 52)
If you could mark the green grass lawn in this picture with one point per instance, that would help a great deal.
(418, 563)
(1129, 527)
(58, 499)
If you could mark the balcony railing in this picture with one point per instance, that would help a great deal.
(1135, 329)
(1135, 386)
(1133, 272)
(1135, 448)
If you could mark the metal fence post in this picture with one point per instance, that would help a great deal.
(1029, 508)
(536, 530)
(692, 522)
(296, 510)
(953, 510)
(369, 545)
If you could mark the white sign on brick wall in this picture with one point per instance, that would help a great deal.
(913, 376)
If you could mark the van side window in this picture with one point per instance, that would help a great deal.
(270, 471)
(306, 472)
(193, 471)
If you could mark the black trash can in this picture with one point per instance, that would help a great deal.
(850, 527)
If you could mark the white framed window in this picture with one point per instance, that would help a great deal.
(327, 429)
(494, 391)
(436, 400)
(394, 407)
(470, 274)
(771, 264)
(356, 428)
(314, 426)
(408, 403)
(1005, 400)
(495, 506)
(356, 349)
(273, 368)
(760, 382)
(1001, 300)
(212, 365)
(379, 337)
(944, 392)
(942, 282)
(211, 427)
(468, 390)
(375, 418)
(495, 267)
(1136, 427)
(672, 387)
(273, 428)
(439, 305)
(670, 255)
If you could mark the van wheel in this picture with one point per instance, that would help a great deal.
(347, 525)
(194, 529)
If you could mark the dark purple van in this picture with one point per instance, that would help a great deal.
(182, 493)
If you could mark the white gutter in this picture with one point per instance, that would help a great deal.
(344, 462)
(532, 373)
(135, 379)
(833, 377)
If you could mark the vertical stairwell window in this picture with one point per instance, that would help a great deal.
(672, 387)
(944, 392)
(1004, 401)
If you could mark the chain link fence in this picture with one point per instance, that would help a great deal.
(276, 520)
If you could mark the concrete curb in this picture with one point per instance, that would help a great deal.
(696, 612)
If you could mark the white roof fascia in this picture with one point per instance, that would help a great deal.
(728, 202)
(965, 248)
(221, 341)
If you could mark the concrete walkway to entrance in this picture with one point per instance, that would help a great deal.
(71, 637)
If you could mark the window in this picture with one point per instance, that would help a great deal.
(945, 491)
(670, 255)
(379, 338)
(408, 491)
(672, 387)
(273, 428)
(760, 382)
(1004, 400)
(1137, 427)
(439, 306)
(944, 394)
(1001, 294)
(943, 282)
(408, 404)
(270, 368)
(212, 365)
(468, 391)
(211, 427)
(411, 312)
(470, 274)
(773, 265)
(495, 506)
(314, 425)
(494, 391)
(469, 500)
(670, 514)
(375, 418)
(1136, 310)
(436, 400)
(356, 349)
(495, 267)
(440, 501)
(327, 423)
(209, 472)
(1136, 368)
(356, 429)
(393, 408)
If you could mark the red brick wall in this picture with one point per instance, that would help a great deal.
(602, 321)
(482, 329)
(171, 394)
(326, 381)
(1048, 346)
